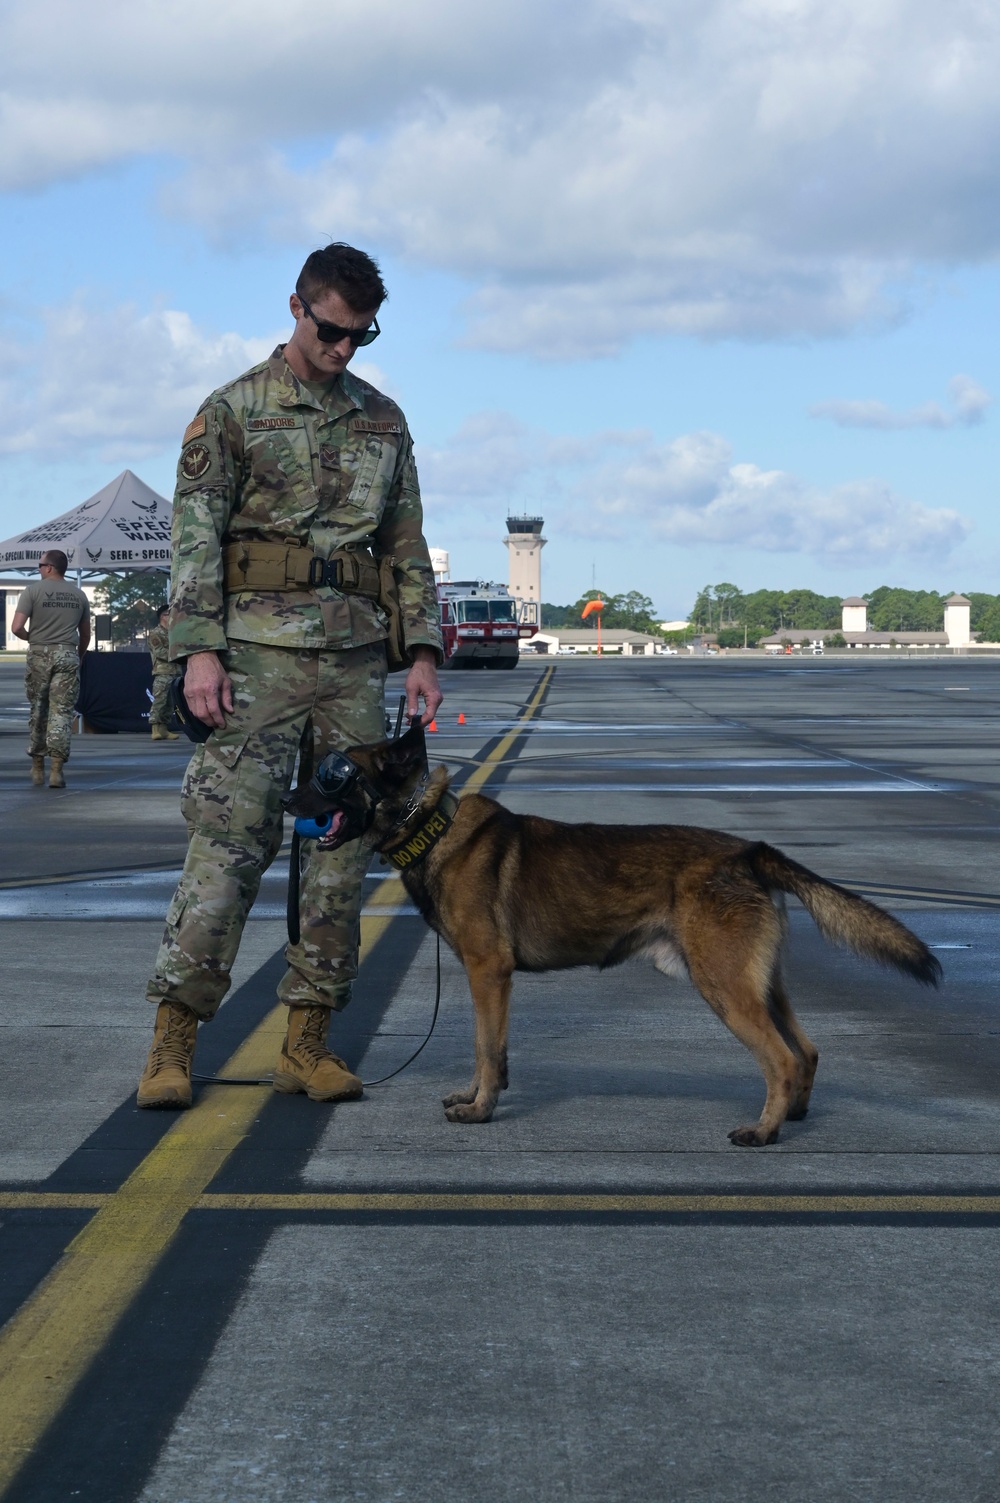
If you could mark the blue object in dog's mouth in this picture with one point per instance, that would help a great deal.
(320, 827)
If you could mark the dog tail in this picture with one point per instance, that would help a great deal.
(844, 918)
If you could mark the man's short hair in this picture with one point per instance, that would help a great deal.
(350, 273)
(57, 558)
(163, 611)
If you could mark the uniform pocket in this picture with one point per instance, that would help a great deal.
(375, 462)
(210, 783)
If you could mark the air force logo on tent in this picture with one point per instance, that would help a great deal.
(124, 526)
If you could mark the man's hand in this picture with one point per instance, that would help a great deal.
(422, 683)
(208, 688)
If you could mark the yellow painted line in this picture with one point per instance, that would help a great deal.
(50, 1200)
(46, 1348)
(756, 1204)
(477, 778)
(298, 1202)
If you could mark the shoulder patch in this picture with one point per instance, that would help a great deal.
(195, 461)
(194, 429)
(264, 424)
(371, 425)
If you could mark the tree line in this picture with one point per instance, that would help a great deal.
(632, 610)
(134, 600)
(727, 611)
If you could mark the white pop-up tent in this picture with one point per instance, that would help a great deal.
(126, 525)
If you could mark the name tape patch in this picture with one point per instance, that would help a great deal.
(266, 424)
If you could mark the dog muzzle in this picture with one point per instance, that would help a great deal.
(337, 805)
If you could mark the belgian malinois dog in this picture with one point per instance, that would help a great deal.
(513, 892)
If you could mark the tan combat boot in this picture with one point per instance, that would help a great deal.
(56, 779)
(166, 1080)
(38, 771)
(306, 1064)
(158, 733)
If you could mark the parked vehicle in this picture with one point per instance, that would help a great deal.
(483, 624)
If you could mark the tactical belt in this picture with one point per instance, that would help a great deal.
(286, 566)
(419, 844)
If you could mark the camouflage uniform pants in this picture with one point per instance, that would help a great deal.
(52, 682)
(285, 699)
(160, 712)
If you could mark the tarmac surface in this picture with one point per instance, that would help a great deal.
(595, 1296)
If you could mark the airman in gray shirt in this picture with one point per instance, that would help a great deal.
(53, 617)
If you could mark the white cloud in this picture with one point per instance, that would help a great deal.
(624, 487)
(969, 403)
(752, 168)
(115, 383)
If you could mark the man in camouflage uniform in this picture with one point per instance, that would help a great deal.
(288, 478)
(158, 643)
(57, 639)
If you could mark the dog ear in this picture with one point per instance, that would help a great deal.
(408, 749)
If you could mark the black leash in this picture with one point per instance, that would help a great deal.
(292, 902)
(268, 1080)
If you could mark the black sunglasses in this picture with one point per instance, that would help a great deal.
(333, 333)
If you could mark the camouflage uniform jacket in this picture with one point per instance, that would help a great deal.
(159, 650)
(269, 459)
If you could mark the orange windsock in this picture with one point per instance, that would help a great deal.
(590, 607)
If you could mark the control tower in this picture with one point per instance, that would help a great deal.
(524, 547)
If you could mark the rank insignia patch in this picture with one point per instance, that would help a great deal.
(195, 461)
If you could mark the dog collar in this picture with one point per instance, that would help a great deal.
(419, 844)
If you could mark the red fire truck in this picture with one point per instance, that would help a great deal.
(483, 623)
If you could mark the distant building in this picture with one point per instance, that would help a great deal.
(854, 614)
(555, 639)
(524, 544)
(957, 610)
(854, 629)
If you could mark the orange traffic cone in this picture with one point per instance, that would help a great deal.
(461, 717)
(433, 726)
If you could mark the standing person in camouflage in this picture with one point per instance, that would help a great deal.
(57, 639)
(160, 711)
(293, 481)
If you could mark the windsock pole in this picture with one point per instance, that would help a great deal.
(594, 606)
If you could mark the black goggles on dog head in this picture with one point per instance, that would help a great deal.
(333, 333)
(336, 774)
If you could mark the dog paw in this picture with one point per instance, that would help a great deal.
(752, 1137)
(460, 1098)
(796, 1113)
(467, 1111)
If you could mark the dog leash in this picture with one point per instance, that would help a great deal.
(269, 1079)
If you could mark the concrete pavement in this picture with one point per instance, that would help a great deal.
(791, 1327)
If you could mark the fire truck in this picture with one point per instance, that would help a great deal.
(483, 623)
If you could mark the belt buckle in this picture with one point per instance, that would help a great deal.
(325, 571)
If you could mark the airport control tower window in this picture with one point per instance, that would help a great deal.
(502, 610)
(473, 610)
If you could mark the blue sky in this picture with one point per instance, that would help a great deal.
(712, 286)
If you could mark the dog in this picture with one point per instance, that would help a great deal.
(515, 892)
